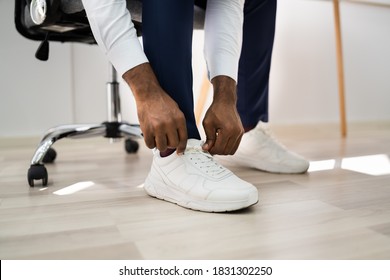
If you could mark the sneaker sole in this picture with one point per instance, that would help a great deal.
(167, 194)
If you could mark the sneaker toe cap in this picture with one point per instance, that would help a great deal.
(296, 164)
(235, 190)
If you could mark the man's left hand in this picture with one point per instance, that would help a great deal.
(222, 122)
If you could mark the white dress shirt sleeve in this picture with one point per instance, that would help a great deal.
(115, 33)
(223, 37)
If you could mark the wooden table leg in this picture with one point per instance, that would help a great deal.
(199, 106)
(340, 68)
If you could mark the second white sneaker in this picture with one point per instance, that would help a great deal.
(260, 150)
(195, 181)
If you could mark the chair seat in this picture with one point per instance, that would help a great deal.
(135, 7)
(76, 6)
(72, 6)
(72, 24)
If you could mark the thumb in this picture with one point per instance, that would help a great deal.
(210, 138)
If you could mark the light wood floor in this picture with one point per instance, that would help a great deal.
(327, 214)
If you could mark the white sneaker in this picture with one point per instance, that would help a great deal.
(260, 150)
(194, 180)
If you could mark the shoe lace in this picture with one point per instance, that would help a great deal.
(205, 161)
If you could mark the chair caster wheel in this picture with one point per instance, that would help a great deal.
(37, 172)
(50, 156)
(131, 146)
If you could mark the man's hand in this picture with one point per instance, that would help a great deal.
(162, 122)
(222, 123)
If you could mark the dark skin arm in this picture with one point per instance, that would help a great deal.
(222, 123)
(163, 123)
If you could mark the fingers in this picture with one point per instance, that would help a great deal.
(161, 142)
(182, 133)
(225, 142)
(172, 139)
(221, 144)
(149, 140)
(211, 136)
(167, 138)
(224, 147)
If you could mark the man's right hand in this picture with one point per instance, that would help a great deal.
(162, 122)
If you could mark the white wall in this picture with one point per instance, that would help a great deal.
(304, 80)
(70, 87)
(34, 95)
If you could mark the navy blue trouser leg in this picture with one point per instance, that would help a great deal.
(167, 36)
(255, 61)
(167, 27)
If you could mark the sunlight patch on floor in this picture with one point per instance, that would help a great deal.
(375, 165)
(74, 188)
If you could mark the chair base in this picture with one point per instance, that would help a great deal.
(45, 154)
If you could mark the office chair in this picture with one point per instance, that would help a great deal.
(66, 21)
